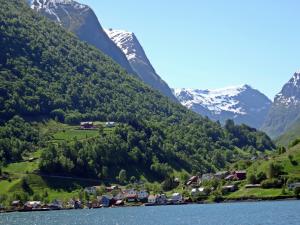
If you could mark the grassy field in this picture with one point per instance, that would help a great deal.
(257, 193)
(292, 169)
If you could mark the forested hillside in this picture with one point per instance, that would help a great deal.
(46, 72)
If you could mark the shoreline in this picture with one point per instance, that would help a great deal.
(230, 201)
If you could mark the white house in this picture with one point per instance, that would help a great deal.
(120, 196)
(176, 197)
(292, 186)
(142, 194)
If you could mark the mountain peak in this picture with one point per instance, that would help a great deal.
(235, 102)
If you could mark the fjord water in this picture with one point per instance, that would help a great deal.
(250, 213)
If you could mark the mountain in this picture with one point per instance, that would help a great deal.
(48, 73)
(243, 104)
(129, 44)
(82, 21)
(285, 111)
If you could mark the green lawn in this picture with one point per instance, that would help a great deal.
(257, 193)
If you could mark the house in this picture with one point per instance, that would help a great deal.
(106, 200)
(112, 188)
(120, 196)
(152, 199)
(87, 125)
(142, 195)
(131, 197)
(16, 204)
(292, 186)
(31, 205)
(91, 190)
(193, 180)
(110, 124)
(176, 197)
(161, 199)
(230, 177)
(241, 174)
(207, 177)
(56, 205)
(229, 188)
(78, 204)
(197, 191)
(119, 203)
(221, 174)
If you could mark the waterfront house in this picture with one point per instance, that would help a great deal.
(176, 197)
(142, 195)
(120, 196)
(17, 204)
(131, 195)
(292, 186)
(106, 200)
(161, 199)
(152, 199)
(31, 205)
(56, 205)
(78, 204)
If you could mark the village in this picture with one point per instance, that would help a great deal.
(195, 190)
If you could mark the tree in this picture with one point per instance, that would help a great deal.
(274, 170)
(297, 192)
(251, 178)
(123, 176)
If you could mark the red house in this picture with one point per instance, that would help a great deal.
(86, 125)
(240, 175)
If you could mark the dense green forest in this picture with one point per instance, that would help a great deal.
(46, 72)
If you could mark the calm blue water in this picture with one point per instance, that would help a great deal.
(262, 213)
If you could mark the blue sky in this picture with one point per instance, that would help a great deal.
(212, 44)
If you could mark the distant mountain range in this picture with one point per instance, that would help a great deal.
(285, 112)
(243, 104)
(81, 20)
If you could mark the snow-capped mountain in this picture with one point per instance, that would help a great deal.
(129, 44)
(285, 110)
(82, 21)
(243, 104)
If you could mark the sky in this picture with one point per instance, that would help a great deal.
(213, 43)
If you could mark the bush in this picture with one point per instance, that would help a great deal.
(261, 176)
(271, 183)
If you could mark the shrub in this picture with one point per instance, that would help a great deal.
(271, 183)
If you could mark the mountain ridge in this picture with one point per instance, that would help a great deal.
(131, 47)
(235, 102)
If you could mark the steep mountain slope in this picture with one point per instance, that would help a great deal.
(82, 21)
(47, 72)
(138, 60)
(292, 133)
(243, 104)
(285, 111)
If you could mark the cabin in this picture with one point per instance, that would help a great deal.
(87, 125)
(161, 199)
(120, 196)
(131, 197)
